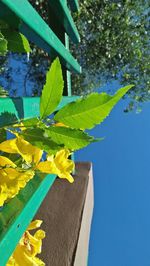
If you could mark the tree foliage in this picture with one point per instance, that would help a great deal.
(114, 45)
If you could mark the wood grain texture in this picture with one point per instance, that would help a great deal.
(67, 219)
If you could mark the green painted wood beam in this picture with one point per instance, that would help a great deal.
(21, 15)
(74, 5)
(16, 215)
(64, 16)
(27, 107)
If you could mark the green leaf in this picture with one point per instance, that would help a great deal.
(30, 122)
(17, 42)
(53, 89)
(2, 135)
(3, 44)
(37, 138)
(87, 112)
(72, 139)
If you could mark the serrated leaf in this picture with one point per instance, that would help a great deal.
(2, 135)
(72, 139)
(53, 89)
(37, 138)
(3, 44)
(17, 42)
(87, 112)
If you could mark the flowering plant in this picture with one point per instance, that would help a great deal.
(28, 247)
(54, 137)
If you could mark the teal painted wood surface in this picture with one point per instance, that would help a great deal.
(16, 215)
(27, 107)
(21, 14)
(64, 16)
(74, 5)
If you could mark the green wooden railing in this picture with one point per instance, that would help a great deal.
(16, 215)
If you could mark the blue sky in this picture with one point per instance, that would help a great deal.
(121, 164)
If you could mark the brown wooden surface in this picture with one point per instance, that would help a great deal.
(66, 213)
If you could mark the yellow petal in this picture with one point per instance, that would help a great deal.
(28, 248)
(59, 124)
(11, 262)
(66, 176)
(29, 152)
(9, 146)
(11, 172)
(4, 161)
(37, 155)
(34, 242)
(11, 181)
(18, 145)
(64, 165)
(3, 194)
(23, 258)
(47, 167)
(24, 177)
(60, 165)
(35, 224)
(40, 234)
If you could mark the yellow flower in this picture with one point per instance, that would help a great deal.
(29, 153)
(11, 262)
(11, 180)
(59, 165)
(28, 248)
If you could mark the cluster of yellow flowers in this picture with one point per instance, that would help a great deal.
(13, 178)
(28, 247)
